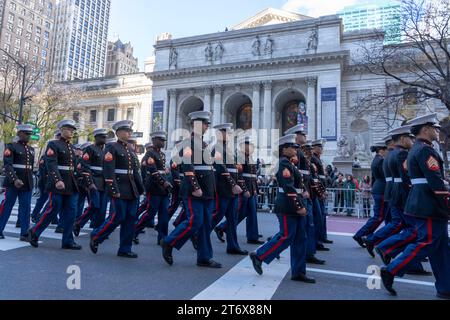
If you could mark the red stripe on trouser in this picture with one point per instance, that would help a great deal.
(418, 249)
(280, 242)
(191, 222)
(85, 212)
(146, 214)
(397, 230)
(50, 206)
(2, 208)
(400, 244)
(109, 223)
(380, 218)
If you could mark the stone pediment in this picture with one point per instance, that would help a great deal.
(270, 16)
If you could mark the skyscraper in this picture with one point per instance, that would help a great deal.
(81, 39)
(26, 29)
(382, 14)
(120, 59)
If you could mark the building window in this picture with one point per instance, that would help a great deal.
(130, 114)
(111, 115)
(93, 116)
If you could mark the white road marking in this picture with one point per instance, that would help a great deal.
(242, 282)
(340, 234)
(11, 244)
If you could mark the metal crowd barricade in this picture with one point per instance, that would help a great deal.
(339, 201)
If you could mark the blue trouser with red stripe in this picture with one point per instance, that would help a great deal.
(318, 221)
(433, 242)
(292, 233)
(66, 206)
(124, 215)
(323, 210)
(81, 200)
(379, 215)
(40, 203)
(198, 222)
(310, 230)
(228, 209)
(155, 205)
(96, 211)
(390, 229)
(181, 216)
(11, 195)
(175, 202)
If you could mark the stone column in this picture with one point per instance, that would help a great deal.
(311, 108)
(172, 114)
(207, 100)
(267, 105)
(100, 117)
(165, 114)
(256, 105)
(217, 105)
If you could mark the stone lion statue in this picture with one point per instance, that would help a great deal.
(343, 147)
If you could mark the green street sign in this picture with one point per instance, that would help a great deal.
(35, 137)
(36, 131)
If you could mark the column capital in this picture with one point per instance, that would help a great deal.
(217, 89)
(311, 81)
(268, 84)
(172, 93)
(207, 90)
(256, 86)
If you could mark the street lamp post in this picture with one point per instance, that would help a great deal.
(24, 75)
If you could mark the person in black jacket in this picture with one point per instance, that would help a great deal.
(428, 204)
(92, 170)
(18, 169)
(124, 186)
(198, 191)
(291, 210)
(227, 187)
(378, 188)
(62, 186)
(157, 187)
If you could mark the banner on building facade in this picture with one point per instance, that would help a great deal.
(329, 113)
(157, 118)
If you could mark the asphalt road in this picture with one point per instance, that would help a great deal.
(28, 273)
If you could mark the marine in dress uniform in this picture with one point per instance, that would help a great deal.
(292, 212)
(428, 204)
(18, 160)
(197, 191)
(175, 179)
(92, 170)
(62, 187)
(157, 187)
(227, 187)
(83, 193)
(304, 165)
(124, 186)
(378, 188)
(144, 204)
(395, 244)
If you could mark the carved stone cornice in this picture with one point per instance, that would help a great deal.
(338, 56)
(118, 92)
(311, 81)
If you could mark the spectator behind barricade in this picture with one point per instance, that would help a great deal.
(328, 180)
(331, 173)
(350, 194)
(356, 163)
(366, 188)
(338, 185)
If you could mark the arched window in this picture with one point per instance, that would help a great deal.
(294, 113)
(244, 119)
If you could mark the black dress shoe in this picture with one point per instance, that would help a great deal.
(93, 245)
(136, 240)
(210, 264)
(238, 252)
(73, 246)
(314, 260)
(419, 273)
(33, 239)
(445, 296)
(322, 248)
(360, 242)
(59, 230)
(384, 257)
(425, 260)
(260, 236)
(328, 241)
(2, 237)
(303, 278)
(23, 238)
(18, 225)
(370, 247)
(219, 234)
(129, 255)
(388, 281)
(167, 252)
(257, 242)
(76, 230)
(257, 264)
